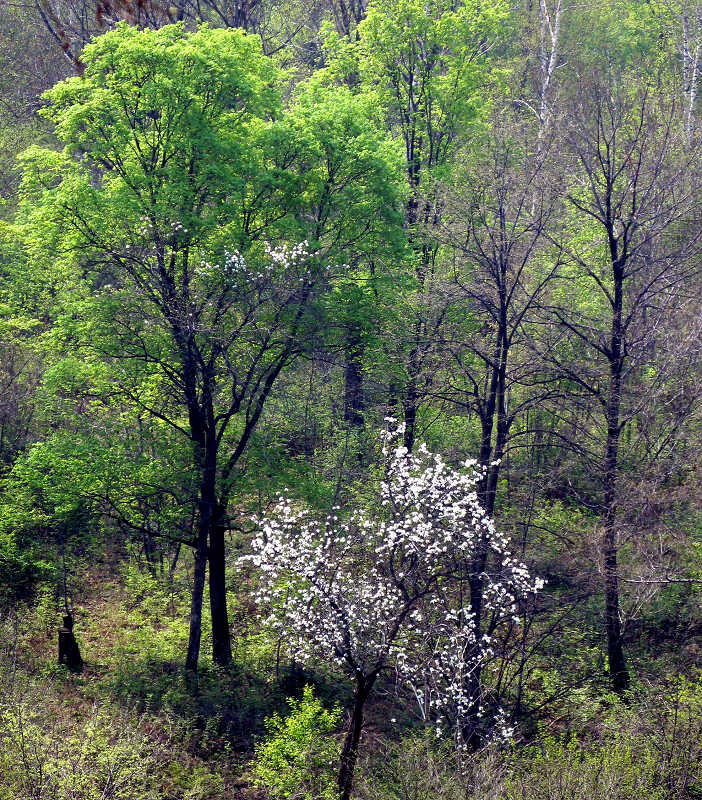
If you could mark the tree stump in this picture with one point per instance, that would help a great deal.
(68, 652)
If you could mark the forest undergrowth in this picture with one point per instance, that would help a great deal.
(132, 724)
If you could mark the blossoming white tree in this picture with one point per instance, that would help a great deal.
(382, 588)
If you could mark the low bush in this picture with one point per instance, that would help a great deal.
(45, 755)
(299, 759)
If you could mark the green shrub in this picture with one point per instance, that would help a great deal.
(298, 761)
(621, 769)
(46, 755)
(649, 750)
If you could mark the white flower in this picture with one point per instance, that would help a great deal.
(370, 591)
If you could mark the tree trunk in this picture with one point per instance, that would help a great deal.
(150, 552)
(410, 401)
(499, 408)
(619, 676)
(493, 419)
(618, 673)
(193, 654)
(410, 408)
(221, 644)
(349, 753)
(68, 651)
(353, 380)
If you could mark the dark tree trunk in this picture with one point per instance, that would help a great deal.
(210, 528)
(487, 424)
(349, 752)
(150, 552)
(353, 381)
(618, 673)
(221, 644)
(410, 402)
(410, 407)
(206, 463)
(494, 420)
(193, 654)
(502, 426)
(68, 651)
(174, 563)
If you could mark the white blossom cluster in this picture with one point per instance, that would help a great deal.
(280, 260)
(443, 674)
(147, 228)
(232, 264)
(382, 588)
(284, 254)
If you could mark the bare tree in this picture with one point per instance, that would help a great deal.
(495, 225)
(635, 230)
(72, 24)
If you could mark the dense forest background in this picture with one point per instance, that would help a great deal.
(296, 297)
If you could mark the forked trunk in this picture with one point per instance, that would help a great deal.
(494, 422)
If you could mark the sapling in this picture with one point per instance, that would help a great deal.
(380, 588)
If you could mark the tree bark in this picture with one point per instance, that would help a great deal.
(193, 655)
(349, 753)
(68, 651)
(618, 674)
(353, 381)
(221, 644)
(494, 419)
(410, 402)
(410, 408)
(207, 509)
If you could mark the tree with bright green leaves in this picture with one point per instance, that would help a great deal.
(430, 68)
(197, 223)
(48, 506)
